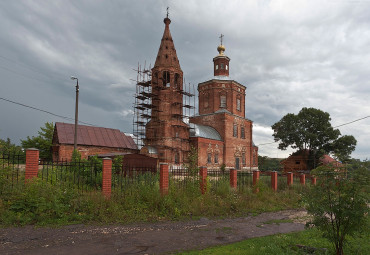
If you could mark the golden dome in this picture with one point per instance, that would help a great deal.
(221, 49)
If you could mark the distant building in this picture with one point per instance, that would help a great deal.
(220, 132)
(90, 141)
(300, 161)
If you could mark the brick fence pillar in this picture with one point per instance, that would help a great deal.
(32, 163)
(203, 179)
(290, 179)
(233, 178)
(163, 178)
(256, 177)
(302, 179)
(107, 177)
(274, 180)
(313, 180)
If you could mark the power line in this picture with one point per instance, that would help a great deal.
(352, 121)
(31, 68)
(44, 111)
(333, 127)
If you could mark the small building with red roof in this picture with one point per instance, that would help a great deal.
(90, 141)
(300, 161)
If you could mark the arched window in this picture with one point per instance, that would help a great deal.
(242, 132)
(209, 158)
(177, 158)
(222, 66)
(216, 158)
(238, 104)
(166, 79)
(177, 80)
(235, 130)
(216, 67)
(226, 67)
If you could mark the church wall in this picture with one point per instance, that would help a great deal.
(208, 149)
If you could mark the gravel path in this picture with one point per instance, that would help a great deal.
(146, 238)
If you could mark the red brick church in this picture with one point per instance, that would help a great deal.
(220, 132)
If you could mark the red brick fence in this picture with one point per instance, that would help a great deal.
(32, 167)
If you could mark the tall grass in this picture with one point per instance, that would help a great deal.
(41, 202)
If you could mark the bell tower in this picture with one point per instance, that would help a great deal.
(221, 61)
(221, 93)
(166, 132)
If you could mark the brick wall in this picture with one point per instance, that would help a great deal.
(234, 147)
(64, 152)
(208, 146)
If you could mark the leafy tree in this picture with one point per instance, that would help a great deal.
(265, 163)
(339, 202)
(311, 129)
(43, 141)
(193, 161)
(7, 147)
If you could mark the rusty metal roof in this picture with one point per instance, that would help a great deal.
(93, 136)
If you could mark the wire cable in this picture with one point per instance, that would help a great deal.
(44, 111)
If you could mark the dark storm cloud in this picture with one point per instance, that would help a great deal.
(289, 54)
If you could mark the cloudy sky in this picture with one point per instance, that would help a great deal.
(289, 55)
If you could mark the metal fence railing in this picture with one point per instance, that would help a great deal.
(129, 179)
(81, 174)
(12, 168)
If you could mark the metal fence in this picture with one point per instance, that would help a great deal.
(129, 179)
(81, 174)
(12, 168)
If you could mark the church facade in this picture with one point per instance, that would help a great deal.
(219, 132)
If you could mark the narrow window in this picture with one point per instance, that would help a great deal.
(216, 67)
(223, 101)
(235, 130)
(177, 80)
(166, 79)
(242, 132)
(216, 158)
(209, 158)
(222, 65)
(177, 158)
(237, 163)
(226, 67)
(243, 159)
(238, 107)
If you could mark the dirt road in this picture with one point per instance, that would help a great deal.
(148, 238)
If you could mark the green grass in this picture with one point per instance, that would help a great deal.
(287, 244)
(42, 203)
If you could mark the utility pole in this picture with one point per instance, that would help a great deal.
(76, 113)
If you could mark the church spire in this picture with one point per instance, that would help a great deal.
(167, 56)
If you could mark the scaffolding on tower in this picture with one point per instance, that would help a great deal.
(143, 104)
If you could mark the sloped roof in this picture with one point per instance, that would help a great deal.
(204, 131)
(167, 56)
(92, 136)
